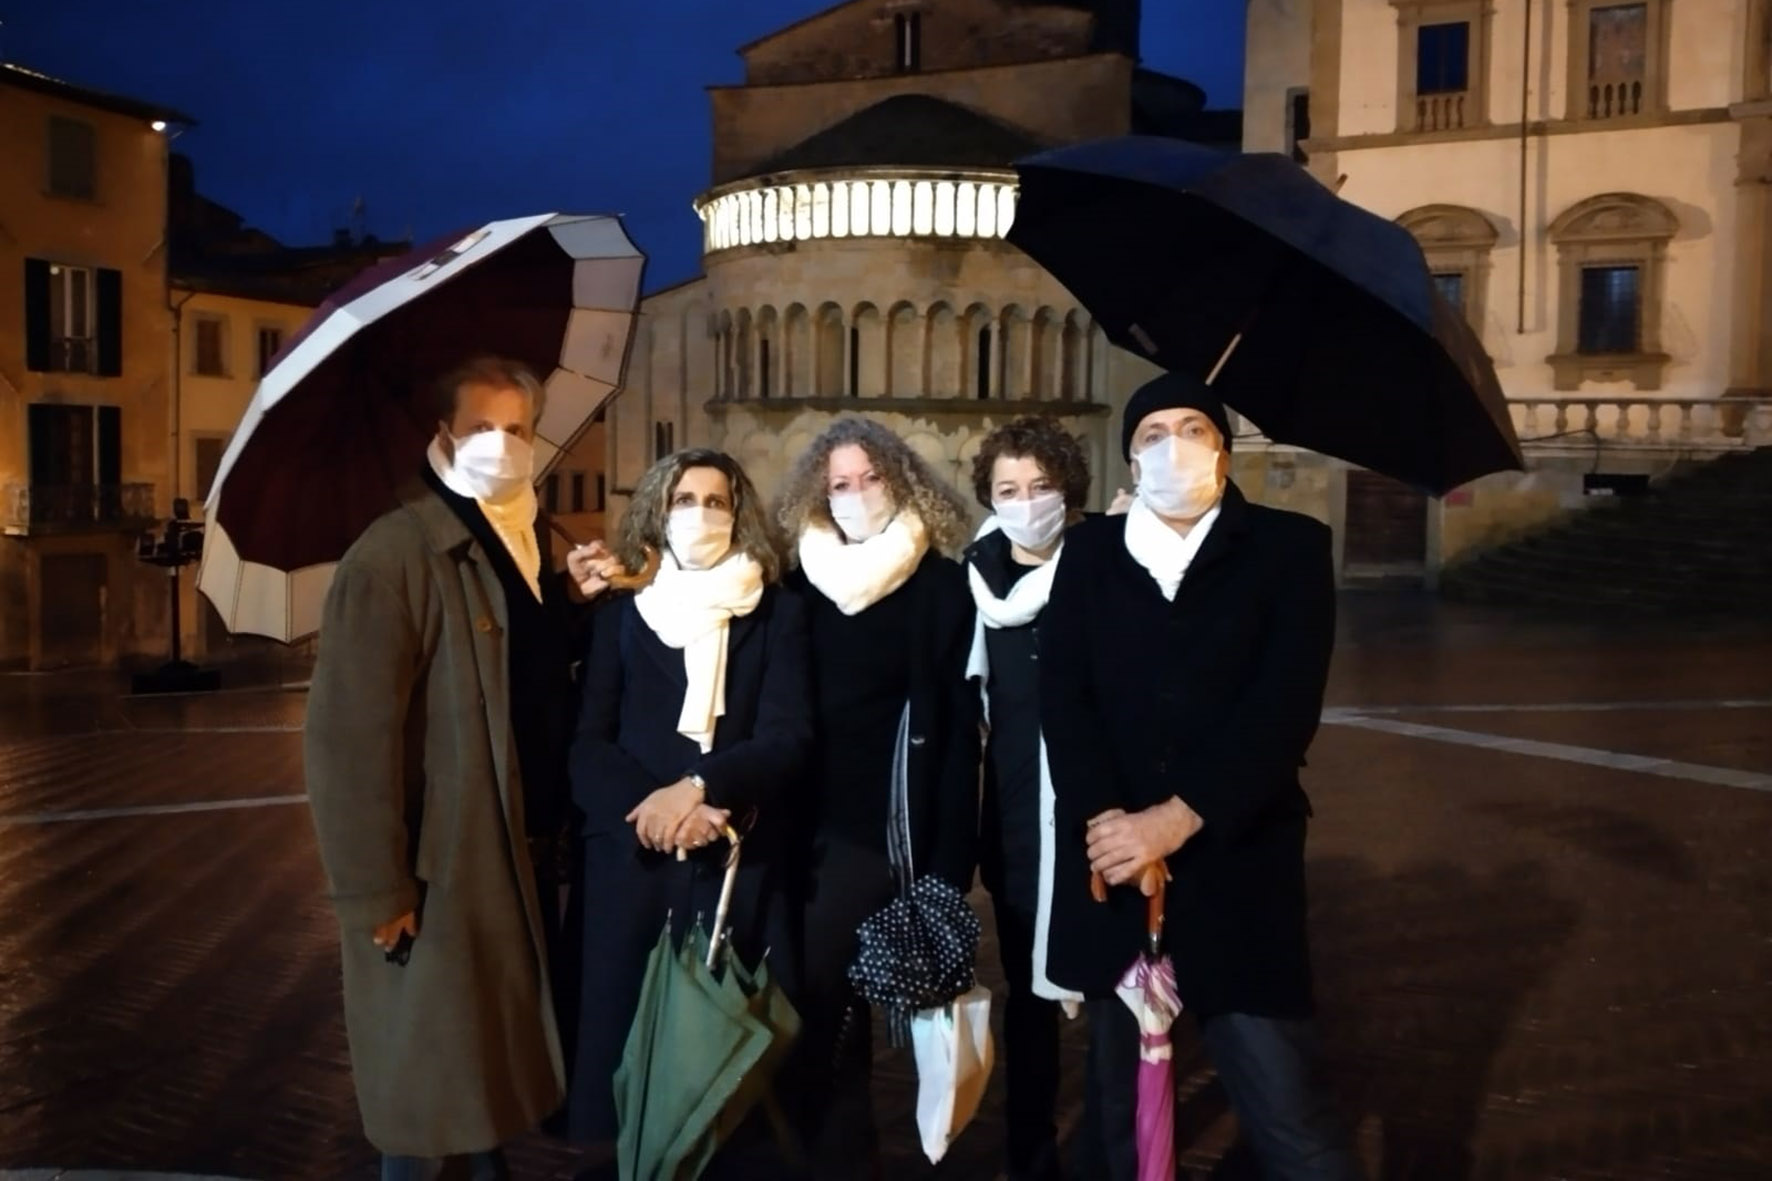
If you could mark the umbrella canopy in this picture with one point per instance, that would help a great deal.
(343, 416)
(707, 1040)
(1337, 339)
(919, 951)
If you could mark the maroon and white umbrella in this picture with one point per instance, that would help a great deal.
(342, 419)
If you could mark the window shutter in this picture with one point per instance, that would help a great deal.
(36, 315)
(110, 323)
(110, 445)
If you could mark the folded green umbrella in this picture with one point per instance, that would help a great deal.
(707, 1040)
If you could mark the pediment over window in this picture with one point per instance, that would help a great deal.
(1615, 217)
(1449, 226)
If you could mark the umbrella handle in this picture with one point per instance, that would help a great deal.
(724, 909)
(1151, 881)
(640, 580)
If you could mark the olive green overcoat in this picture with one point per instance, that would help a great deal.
(413, 779)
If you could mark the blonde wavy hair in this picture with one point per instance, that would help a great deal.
(805, 497)
(643, 525)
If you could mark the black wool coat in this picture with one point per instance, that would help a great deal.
(628, 746)
(943, 764)
(1214, 698)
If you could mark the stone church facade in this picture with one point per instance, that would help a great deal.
(853, 250)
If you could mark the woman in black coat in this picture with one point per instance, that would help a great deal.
(695, 716)
(1034, 478)
(890, 622)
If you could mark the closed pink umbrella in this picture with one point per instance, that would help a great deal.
(1148, 988)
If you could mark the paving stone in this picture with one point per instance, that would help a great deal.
(1527, 969)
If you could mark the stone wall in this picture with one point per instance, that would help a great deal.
(860, 40)
(753, 124)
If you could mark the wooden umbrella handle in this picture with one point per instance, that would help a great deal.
(1151, 881)
(639, 580)
(624, 581)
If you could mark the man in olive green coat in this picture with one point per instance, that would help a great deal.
(414, 769)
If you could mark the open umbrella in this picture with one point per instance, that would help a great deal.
(342, 418)
(708, 1038)
(1315, 319)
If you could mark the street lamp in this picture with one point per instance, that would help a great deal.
(178, 545)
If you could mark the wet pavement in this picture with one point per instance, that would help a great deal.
(1541, 878)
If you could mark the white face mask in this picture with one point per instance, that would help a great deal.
(495, 465)
(861, 515)
(699, 537)
(1179, 477)
(1035, 523)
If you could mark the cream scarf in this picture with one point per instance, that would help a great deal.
(1026, 599)
(856, 575)
(1162, 551)
(512, 519)
(692, 610)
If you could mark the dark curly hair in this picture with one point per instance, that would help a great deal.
(1058, 452)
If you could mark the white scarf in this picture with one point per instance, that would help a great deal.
(855, 575)
(1026, 599)
(692, 610)
(1162, 551)
(512, 520)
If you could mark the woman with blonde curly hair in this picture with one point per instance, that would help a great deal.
(890, 620)
(695, 716)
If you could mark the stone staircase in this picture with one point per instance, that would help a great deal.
(1698, 543)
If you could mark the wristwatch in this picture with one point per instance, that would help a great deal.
(701, 784)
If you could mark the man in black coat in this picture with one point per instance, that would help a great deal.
(1184, 654)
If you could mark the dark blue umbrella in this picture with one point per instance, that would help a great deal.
(1313, 318)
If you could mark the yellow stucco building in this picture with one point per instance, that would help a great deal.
(85, 450)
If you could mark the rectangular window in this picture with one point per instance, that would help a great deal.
(1611, 310)
(984, 364)
(550, 493)
(1450, 285)
(1617, 60)
(578, 492)
(209, 456)
(664, 439)
(601, 502)
(73, 320)
(908, 28)
(1298, 124)
(1442, 58)
(855, 362)
(763, 369)
(73, 159)
(76, 455)
(1618, 43)
(270, 342)
(209, 339)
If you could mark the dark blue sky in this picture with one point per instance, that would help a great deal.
(440, 113)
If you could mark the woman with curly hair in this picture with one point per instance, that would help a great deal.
(695, 716)
(889, 620)
(1034, 478)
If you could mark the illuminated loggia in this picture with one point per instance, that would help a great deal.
(898, 204)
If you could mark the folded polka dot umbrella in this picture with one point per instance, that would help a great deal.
(342, 418)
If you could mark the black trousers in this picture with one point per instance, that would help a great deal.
(477, 1166)
(833, 1109)
(1270, 1069)
(1030, 1051)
